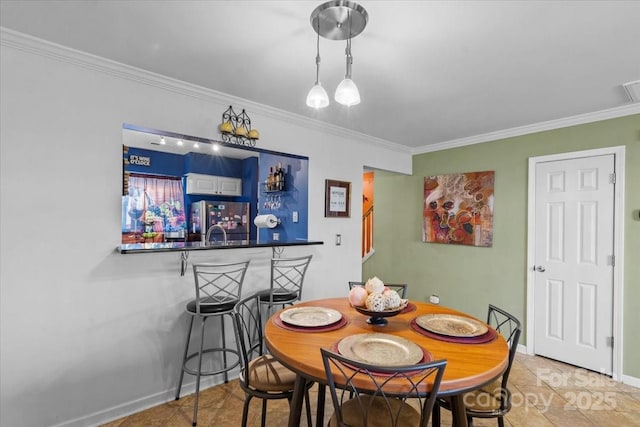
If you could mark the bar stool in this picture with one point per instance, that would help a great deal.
(287, 277)
(218, 288)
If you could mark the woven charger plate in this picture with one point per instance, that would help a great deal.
(310, 316)
(452, 325)
(381, 349)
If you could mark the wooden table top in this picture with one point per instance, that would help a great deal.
(469, 366)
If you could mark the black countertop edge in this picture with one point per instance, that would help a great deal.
(145, 248)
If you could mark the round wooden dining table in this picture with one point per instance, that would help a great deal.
(469, 365)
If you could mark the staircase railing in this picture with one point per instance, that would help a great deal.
(367, 232)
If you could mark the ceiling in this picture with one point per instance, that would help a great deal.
(429, 72)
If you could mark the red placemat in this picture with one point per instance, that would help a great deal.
(488, 336)
(332, 327)
(409, 308)
(426, 358)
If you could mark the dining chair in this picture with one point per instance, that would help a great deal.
(400, 288)
(494, 399)
(360, 400)
(261, 375)
(287, 278)
(218, 288)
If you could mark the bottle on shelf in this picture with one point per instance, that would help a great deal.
(270, 180)
(277, 183)
(280, 173)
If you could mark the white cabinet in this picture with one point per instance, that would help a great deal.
(216, 185)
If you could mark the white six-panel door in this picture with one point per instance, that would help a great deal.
(573, 285)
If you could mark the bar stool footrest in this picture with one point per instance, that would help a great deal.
(213, 350)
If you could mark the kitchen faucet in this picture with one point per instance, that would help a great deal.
(210, 230)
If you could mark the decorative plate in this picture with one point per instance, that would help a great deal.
(452, 325)
(310, 316)
(381, 349)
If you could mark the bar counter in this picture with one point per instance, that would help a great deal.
(145, 248)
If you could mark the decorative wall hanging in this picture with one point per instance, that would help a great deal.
(458, 209)
(337, 197)
(236, 128)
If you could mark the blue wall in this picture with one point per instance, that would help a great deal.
(160, 163)
(295, 197)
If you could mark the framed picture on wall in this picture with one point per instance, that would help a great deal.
(337, 197)
(458, 208)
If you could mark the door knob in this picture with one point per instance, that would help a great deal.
(540, 269)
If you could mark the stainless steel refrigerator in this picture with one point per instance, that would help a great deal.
(232, 216)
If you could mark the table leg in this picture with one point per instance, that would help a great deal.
(458, 411)
(295, 409)
(320, 407)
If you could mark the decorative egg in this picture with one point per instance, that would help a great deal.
(375, 302)
(357, 296)
(374, 286)
(391, 299)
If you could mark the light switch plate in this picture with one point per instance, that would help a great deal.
(295, 216)
(338, 239)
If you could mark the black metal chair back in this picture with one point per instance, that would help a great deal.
(360, 399)
(261, 375)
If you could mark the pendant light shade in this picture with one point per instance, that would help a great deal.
(337, 20)
(317, 97)
(347, 93)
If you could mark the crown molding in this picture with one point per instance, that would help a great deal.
(37, 46)
(611, 113)
(45, 48)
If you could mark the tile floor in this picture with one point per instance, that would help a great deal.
(545, 393)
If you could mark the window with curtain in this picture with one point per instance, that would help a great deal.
(154, 205)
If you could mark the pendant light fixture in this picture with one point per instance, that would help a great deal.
(337, 20)
(347, 92)
(317, 97)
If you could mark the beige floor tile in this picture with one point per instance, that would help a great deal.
(538, 396)
(536, 403)
(527, 416)
(613, 418)
(624, 402)
(559, 416)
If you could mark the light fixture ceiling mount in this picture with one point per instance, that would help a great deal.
(337, 20)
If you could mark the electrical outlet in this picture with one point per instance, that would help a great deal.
(434, 299)
(338, 239)
(295, 216)
(276, 236)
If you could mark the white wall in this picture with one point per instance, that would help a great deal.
(88, 334)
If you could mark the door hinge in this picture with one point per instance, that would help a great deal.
(612, 178)
(610, 342)
(612, 260)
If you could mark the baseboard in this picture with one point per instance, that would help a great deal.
(138, 405)
(522, 349)
(632, 381)
(368, 255)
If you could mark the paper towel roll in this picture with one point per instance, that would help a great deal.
(266, 221)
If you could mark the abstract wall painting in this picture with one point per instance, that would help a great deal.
(458, 209)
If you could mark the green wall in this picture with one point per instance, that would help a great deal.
(469, 278)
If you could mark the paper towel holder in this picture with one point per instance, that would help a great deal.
(266, 221)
